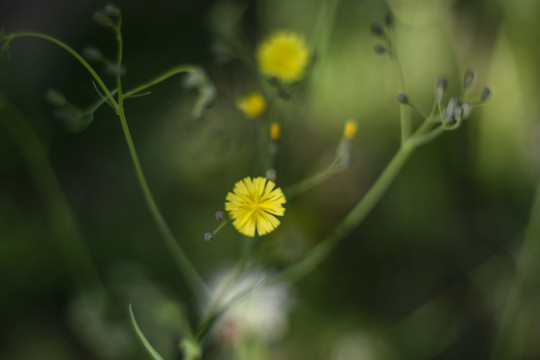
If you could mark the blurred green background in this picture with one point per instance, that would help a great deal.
(426, 276)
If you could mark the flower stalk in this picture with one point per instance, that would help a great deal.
(193, 279)
(355, 217)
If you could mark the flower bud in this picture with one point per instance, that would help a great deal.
(102, 19)
(111, 10)
(440, 87)
(350, 129)
(92, 54)
(209, 236)
(379, 49)
(55, 97)
(115, 70)
(467, 107)
(284, 94)
(205, 101)
(468, 79)
(220, 216)
(275, 131)
(402, 98)
(389, 20)
(448, 112)
(378, 30)
(458, 113)
(271, 174)
(486, 93)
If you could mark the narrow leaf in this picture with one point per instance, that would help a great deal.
(153, 353)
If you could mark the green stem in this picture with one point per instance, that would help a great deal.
(312, 181)
(169, 73)
(405, 116)
(353, 219)
(220, 226)
(321, 251)
(195, 282)
(74, 54)
(428, 137)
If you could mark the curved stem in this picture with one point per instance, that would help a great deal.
(312, 181)
(74, 54)
(321, 251)
(195, 282)
(169, 73)
(353, 219)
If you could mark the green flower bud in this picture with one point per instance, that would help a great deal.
(220, 216)
(468, 78)
(402, 98)
(271, 174)
(111, 10)
(378, 30)
(440, 87)
(379, 49)
(486, 93)
(102, 19)
(467, 108)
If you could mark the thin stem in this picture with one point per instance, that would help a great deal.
(312, 181)
(195, 282)
(74, 54)
(167, 74)
(353, 219)
(220, 226)
(418, 111)
(102, 100)
(428, 137)
(321, 251)
(405, 116)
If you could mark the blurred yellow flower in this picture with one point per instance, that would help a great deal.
(252, 205)
(275, 131)
(283, 55)
(350, 129)
(252, 105)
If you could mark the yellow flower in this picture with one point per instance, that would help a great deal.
(252, 205)
(275, 131)
(283, 55)
(252, 105)
(350, 129)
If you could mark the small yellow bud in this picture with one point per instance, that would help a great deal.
(275, 131)
(252, 105)
(350, 129)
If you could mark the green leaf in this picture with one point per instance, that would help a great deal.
(153, 353)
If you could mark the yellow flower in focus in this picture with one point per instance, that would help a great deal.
(350, 129)
(283, 55)
(252, 205)
(252, 105)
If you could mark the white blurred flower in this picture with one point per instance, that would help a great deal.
(361, 345)
(257, 308)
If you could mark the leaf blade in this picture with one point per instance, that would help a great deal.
(149, 348)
